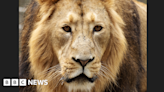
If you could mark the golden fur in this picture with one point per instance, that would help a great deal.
(51, 49)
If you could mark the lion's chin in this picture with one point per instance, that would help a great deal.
(80, 85)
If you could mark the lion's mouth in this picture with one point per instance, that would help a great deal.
(81, 78)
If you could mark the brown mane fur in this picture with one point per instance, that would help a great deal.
(126, 48)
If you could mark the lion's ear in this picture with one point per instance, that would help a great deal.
(47, 1)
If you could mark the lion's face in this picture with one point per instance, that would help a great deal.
(86, 40)
(79, 39)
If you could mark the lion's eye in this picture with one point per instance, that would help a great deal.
(97, 28)
(67, 28)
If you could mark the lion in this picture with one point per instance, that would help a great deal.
(85, 46)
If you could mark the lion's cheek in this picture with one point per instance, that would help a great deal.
(101, 40)
(60, 39)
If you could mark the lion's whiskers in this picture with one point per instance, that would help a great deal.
(56, 67)
(57, 83)
(61, 80)
(55, 74)
(106, 71)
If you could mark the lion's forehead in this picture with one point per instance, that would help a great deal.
(85, 11)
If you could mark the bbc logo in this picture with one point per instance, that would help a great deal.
(14, 82)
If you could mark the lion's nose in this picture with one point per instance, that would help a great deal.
(83, 62)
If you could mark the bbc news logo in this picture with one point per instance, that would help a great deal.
(23, 82)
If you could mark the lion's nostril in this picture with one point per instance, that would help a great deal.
(76, 60)
(92, 59)
(83, 62)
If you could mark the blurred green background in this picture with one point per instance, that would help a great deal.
(22, 7)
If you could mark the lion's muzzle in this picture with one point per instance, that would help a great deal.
(82, 77)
